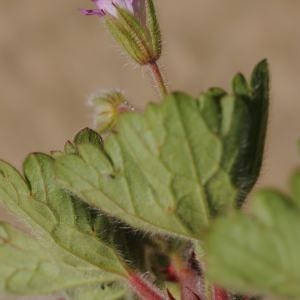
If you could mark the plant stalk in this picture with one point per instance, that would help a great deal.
(158, 78)
(220, 294)
(189, 275)
(145, 289)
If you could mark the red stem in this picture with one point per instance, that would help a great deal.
(159, 78)
(188, 275)
(171, 297)
(145, 289)
(220, 294)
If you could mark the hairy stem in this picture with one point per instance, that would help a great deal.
(220, 294)
(158, 78)
(189, 276)
(145, 289)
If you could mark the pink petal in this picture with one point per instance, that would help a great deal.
(139, 8)
(92, 12)
(107, 6)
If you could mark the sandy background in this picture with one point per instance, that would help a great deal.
(52, 58)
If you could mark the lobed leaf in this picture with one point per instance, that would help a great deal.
(64, 228)
(27, 269)
(177, 165)
(141, 177)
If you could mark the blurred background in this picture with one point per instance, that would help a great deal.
(52, 58)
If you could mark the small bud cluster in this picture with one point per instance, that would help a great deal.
(108, 107)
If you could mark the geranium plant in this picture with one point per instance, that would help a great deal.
(151, 205)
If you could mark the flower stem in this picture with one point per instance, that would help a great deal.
(158, 78)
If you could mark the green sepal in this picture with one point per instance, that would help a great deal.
(132, 24)
(131, 35)
(125, 39)
(154, 29)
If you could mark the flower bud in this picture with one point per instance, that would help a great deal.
(108, 107)
(134, 25)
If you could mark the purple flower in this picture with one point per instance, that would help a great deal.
(134, 26)
(104, 7)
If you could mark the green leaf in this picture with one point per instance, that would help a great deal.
(259, 252)
(28, 269)
(69, 147)
(142, 178)
(295, 187)
(62, 224)
(174, 167)
(101, 291)
(130, 243)
(256, 96)
(86, 136)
